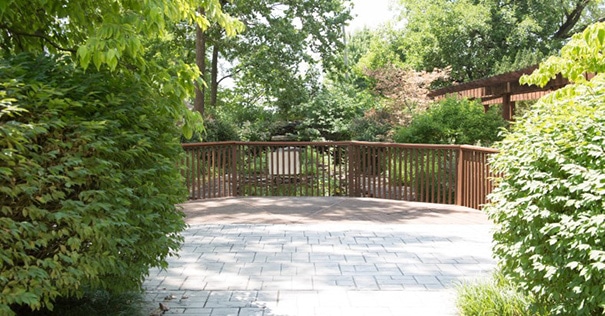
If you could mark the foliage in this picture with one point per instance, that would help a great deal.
(357, 46)
(453, 121)
(98, 303)
(374, 126)
(382, 49)
(496, 296)
(549, 204)
(331, 112)
(102, 32)
(219, 126)
(256, 131)
(117, 34)
(251, 122)
(524, 58)
(473, 36)
(218, 130)
(274, 61)
(406, 89)
(88, 181)
(583, 54)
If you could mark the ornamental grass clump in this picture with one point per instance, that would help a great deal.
(493, 296)
(549, 206)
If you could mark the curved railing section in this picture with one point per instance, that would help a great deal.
(445, 174)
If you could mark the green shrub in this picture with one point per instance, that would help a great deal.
(217, 130)
(329, 113)
(453, 121)
(97, 303)
(88, 182)
(549, 207)
(495, 296)
(373, 126)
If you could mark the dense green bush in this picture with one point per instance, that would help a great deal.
(549, 207)
(88, 182)
(453, 121)
(373, 126)
(217, 130)
(328, 115)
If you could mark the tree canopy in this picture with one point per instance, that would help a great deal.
(481, 38)
(120, 35)
(90, 103)
(277, 59)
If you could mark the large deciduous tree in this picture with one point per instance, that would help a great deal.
(481, 38)
(284, 42)
(121, 35)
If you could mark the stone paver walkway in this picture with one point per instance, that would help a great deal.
(305, 264)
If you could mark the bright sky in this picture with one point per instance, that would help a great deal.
(370, 13)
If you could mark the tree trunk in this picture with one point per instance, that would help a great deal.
(200, 61)
(214, 76)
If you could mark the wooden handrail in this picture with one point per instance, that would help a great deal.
(450, 174)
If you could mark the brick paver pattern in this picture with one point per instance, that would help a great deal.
(321, 269)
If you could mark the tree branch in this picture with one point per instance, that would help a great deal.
(229, 76)
(571, 19)
(37, 35)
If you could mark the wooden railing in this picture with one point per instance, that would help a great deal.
(446, 174)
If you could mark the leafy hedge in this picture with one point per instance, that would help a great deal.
(88, 182)
(453, 121)
(549, 207)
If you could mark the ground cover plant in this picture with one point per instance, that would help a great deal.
(88, 182)
(494, 296)
(549, 206)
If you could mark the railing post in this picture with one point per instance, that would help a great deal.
(234, 175)
(352, 166)
(459, 176)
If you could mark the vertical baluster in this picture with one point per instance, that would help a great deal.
(188, 172)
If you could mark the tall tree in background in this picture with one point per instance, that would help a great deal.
(482, 38)
(122, 35)
(283, 45)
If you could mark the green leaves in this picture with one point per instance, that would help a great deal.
(330, 113)
(482, 38)
(582, 55)
(90, 171)
(277, 58)
(549, 206)
(120, 35)
(453, 121)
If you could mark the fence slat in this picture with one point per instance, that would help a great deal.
(448, 174)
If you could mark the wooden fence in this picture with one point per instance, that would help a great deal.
(446, 174)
